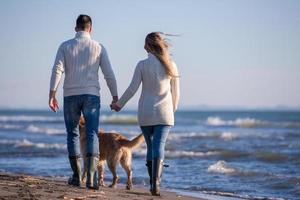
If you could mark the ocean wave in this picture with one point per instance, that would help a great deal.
(33, 129)
(221, 167)
(242, 122)
(221, 135)
(175, 154)
(28, 144)
(9, 126)
(48, 131)
(119, 119)
(228, 136)
(231, 195)
(29, 118)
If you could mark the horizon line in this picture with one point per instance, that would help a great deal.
(182, 108)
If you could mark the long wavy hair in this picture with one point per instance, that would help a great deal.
(158, 46)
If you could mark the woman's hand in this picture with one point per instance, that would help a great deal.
(115, 107)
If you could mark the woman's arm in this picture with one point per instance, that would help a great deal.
(175, 90)
(133, 87)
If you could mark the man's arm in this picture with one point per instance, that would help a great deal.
(109, 75)
(57, 71)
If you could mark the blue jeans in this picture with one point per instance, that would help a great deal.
(89, 106)
(155, 137)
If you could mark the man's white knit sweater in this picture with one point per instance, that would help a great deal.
(80, 59)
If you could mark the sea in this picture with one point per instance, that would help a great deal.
(211, 154)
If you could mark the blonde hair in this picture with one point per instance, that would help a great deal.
(155, 44)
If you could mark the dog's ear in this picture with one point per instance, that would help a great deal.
(81, 121)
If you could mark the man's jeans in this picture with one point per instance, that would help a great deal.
(155, 137)
(89, 106)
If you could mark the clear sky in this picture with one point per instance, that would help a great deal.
(230, 53)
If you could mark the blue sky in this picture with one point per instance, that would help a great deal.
(230, 53)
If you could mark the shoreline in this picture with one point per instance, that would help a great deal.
(25, 187)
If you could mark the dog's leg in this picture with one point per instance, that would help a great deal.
(126, 164)
(101, 173)
(84, 169)
(112, 165)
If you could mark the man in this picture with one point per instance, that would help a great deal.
(80, 59)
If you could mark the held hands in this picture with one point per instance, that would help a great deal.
(53, 103)
(113, 105)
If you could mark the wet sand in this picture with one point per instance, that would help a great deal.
(24, 187)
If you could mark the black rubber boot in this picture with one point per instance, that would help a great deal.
(149, 167)
(91, 178)
(75, 163)
(157, 165)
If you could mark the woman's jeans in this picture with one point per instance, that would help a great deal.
(89, 107)
(155, 137)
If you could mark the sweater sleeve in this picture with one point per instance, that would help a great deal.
(58, 69)
(133, 87)
(175, 88)
(108, 73)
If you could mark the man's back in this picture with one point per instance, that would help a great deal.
(82, 56)
(80, 59)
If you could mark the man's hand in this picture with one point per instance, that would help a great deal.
(115, 107)
(114, 100)
(53, 103)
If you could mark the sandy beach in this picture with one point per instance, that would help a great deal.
(15, 186)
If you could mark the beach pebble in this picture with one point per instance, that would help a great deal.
(80, 198)
(102, 192)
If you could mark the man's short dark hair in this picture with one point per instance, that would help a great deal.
(83, 22)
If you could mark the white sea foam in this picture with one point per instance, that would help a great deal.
(222, 135)
(176, 136)
(228, 136)
(28, 118)
(27, 144)
(49, 131)
(215, 121)
(9, 126)
(221, 167)
(190, 153)
(219, 195)
(119, 119)
(243, 122)
(175, 154)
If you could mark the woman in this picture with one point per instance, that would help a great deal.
(157, 104)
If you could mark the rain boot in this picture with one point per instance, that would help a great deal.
(91, 178)
(149, 167)
(157, 165)
(75, 163)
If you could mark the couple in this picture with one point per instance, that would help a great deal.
(80, 59)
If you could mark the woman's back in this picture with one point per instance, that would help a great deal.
(155, 80)
(155, 104)
(160, 93)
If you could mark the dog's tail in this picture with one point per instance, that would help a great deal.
(134, 143)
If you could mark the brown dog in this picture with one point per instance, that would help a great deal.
(114, 148)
